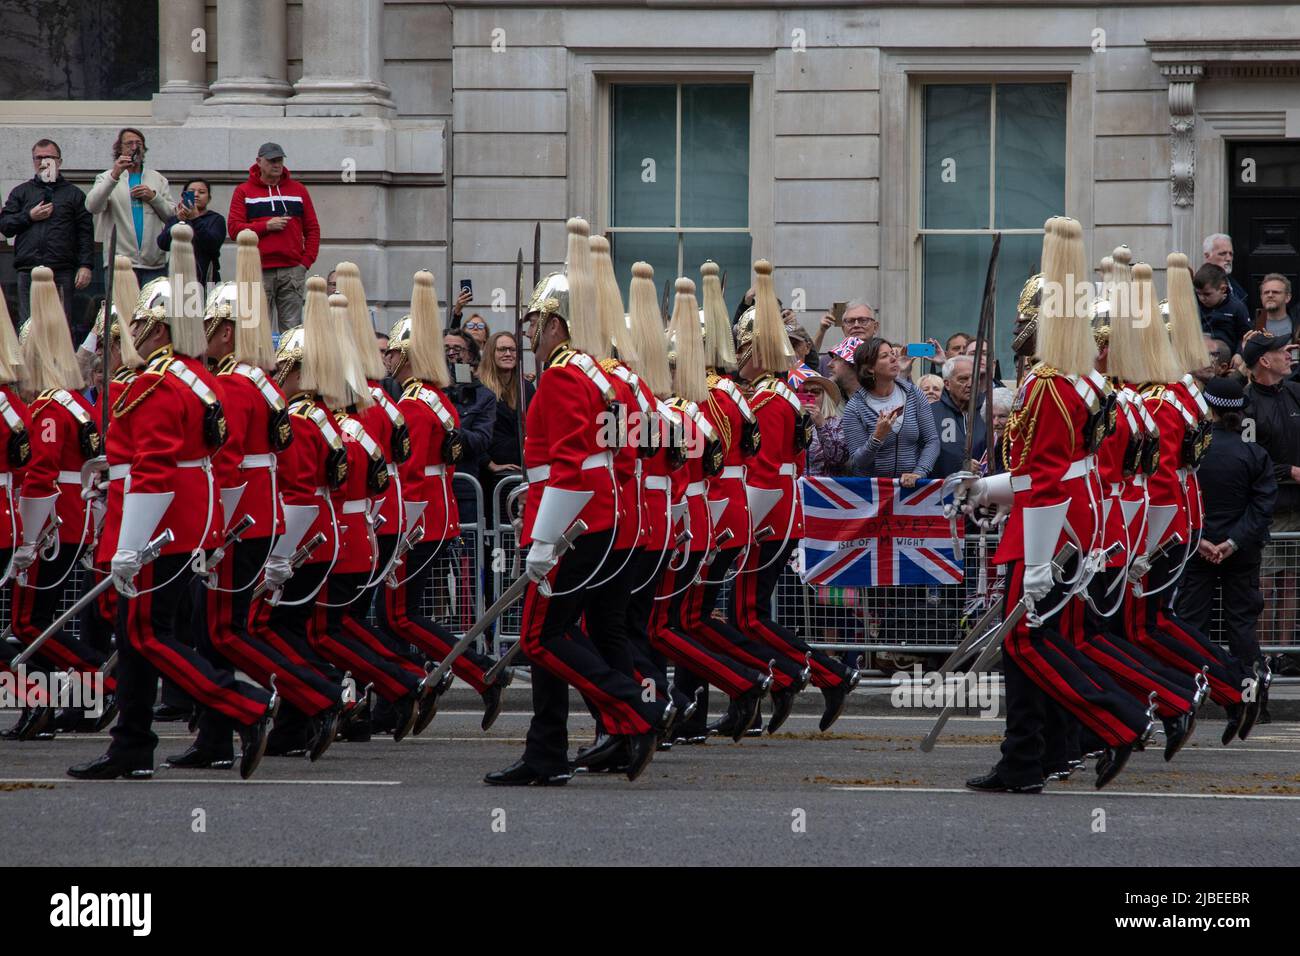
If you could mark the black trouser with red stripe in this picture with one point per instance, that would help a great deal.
(1153, 625)
(1042, 664)
(35, 608)
(1134, 670)
(148, 646)
(751, 612)
(222, 632)
(337, 634)
(403, 614)
(564, 655)
(647, 571)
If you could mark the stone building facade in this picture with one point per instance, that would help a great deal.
(868, 149)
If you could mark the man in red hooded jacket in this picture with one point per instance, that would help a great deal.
(278, 208)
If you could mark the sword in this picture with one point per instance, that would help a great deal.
(718, 542)
(150, 552)
(1175, 541)
(994, 644)
(404, 544)
(663, 304)
(204, 564)
(983, 338)
(537, 254)
(499, 606)
(125, 330)
(521, 397)
(296, 560)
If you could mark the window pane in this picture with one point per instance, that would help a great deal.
(657, 248)
(955, 267)
(731, 251)
(956, 156)
(644, 128)
(45, 51)
(1030, 183)
(715, 155)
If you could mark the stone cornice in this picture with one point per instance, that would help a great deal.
(1225, 56)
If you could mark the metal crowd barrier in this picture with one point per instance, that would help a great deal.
(912, 619)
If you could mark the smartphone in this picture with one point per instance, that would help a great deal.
(920, 350)
(463, 373)
(187, 198)
(837, 310)
(467, 285)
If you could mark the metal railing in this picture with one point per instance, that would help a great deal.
(909, 619)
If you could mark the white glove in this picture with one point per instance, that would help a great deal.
(541, 559)
(277, 571)
(1038, 581)
(1138, 568)
(24, 557)
(126, 565)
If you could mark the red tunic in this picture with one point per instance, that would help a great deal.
(382, 421)
(11, 531)
(352, 502)
(117, 454)
(567, 421)
(57, 458)
(425, 476)
(248, 455)
(777, 466)
(166, 447)
(628, 466)
(727, 420)
(1046, 436)
(303, 471)
(1193, 405)
(1164, 486)
(688, 481)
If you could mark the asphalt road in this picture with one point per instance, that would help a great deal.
(863, 794)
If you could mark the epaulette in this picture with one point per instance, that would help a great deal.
(258, 377)
(226, 364)
(1154, 390)
(419, 392)
(587, 365)
(124, 375)
(733, 392)
(562, 358)
(1044, 371)
(615, 367)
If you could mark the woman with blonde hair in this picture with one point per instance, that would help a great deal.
(500, 369)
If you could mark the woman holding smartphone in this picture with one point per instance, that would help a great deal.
(888, 425)
(209, 228)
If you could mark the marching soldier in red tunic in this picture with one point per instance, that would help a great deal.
(696, 662)
(172, 422)
(239, 346)
(66, 435)
(15, 454)
(416, 359)
(772, 484)
(570, 476)
(1052, 437)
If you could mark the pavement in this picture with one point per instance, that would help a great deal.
(862, 794)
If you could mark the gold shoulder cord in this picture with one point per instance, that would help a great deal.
(723, 422)
(120, 412)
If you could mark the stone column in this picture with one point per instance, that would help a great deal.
(342, 60)
(182, 59)
(252, 41)
(1182, 168)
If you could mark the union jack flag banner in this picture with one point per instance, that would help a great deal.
(868, 532)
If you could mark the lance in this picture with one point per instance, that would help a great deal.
(404, 544)
(499, 606)
(125, 329)
(296, 560)
(150, 552)
(537, 254)
(522, 396)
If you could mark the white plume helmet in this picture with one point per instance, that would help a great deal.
(49, 359)
(646, 331)
(362, 332)
(689, 374)
(350, 356)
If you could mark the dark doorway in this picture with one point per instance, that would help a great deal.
(1264, 214)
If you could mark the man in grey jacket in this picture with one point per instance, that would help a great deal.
(138, 201)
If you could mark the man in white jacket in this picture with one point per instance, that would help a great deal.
(138, 201)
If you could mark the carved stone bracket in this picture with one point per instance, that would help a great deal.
(1182, 124)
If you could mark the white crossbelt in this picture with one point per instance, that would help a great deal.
(602, 459)
(257, 461)
(1077, 469)
(695, 489)
(355, 506)
(6, 479)
(69, 477)
(434, 471)
(658, 482)
(788, 469)
(732, 471)
(118, 472)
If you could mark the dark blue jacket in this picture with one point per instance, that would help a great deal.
(950, 420)
(1239, 490)
(209, 234)
(477, 408)
(1228, 321)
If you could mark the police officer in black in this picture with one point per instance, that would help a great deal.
(1239, 490)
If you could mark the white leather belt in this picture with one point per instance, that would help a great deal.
(118, 472)
(257, 461)
(1077, 469)
(204, 462)
(695, 489)
(6, 479)
(658, 483)
(732, 471)
(69, 477)
(434, 471)
(789, 469)
(356, 506)
(602, 459)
